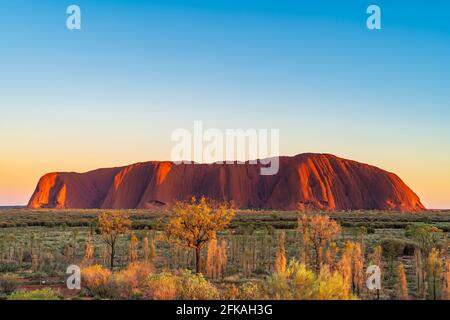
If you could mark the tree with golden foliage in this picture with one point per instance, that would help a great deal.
(358, 268)
(376, 259)
(446, 280)
(351, 266)
(319, 230)
(434, 272)
(331, 254)
(345, 267)
(280, 260)
(402, 286)
(145, 249)
(303, 229)
(133, 249)
(419, 271)
(89, 252)
(104, 256)
(194, 223)
(112, 225)
(222, 257)
(152, 248)
(216, 258)
(211, 260)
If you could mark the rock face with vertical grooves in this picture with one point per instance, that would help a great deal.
(306, 182)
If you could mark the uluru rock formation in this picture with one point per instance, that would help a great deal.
(306, 181)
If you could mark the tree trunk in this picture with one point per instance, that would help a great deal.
(318, 250)
(197, 260)
(434, 288)
(113, 253)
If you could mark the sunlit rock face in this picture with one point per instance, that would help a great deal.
(304, 182)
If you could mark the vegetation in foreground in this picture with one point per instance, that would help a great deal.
(202, 250)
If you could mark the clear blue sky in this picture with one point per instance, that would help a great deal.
(111, 93)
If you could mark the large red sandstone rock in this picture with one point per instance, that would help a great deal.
(306, 181)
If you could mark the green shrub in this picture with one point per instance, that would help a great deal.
(370, 230)
(40, 294)
(9, 267)
(393, 247)
(409, 249)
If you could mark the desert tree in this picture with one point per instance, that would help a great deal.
(74, 240)
(357, 268)
(392, 249)
(359, 234)
(280, 260)
(152, 248)
(419, 272)
(426, 236)
(35, 263)
(402, 285)
(305, 246)
(376, 259)
(446, 280)
(320, 230)
(112, 225)
(351, 266)
(145, 249)
(32, 243)
(331, 254)
(89, 250)
(149, 246)
(20, 253)
(69, 252)
(222, 257)
(434, 272)
(194, 223)
(216, 258)
(104, 255)
(246, 257)
(345, 266)
(211, 258)
(12, 240)
(133, 248)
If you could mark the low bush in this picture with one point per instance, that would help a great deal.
(247, 291)
(9, 283)
(96, 280)
(393, 247)
(40, 294)
(7, 267)
(162, 286)
(299, 283)
(195, 287)
(127, 283)
(409, 248)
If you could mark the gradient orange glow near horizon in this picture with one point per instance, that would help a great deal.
(20, 174)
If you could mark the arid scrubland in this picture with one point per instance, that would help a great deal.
(205, 250)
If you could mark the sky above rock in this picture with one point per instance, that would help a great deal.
(111, 93)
